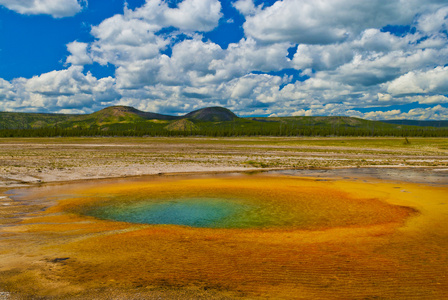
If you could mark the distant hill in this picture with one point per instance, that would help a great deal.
(418, 123)
(212, 114)
(16, 120)
(107, 116)
(209, 121)
(127, 111)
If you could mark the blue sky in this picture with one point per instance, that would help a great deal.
(370, 59)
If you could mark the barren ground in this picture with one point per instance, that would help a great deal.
(38, 160)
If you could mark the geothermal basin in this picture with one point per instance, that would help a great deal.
(228, 236)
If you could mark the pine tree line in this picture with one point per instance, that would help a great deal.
(231, 131)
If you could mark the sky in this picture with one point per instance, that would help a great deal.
(377, 59)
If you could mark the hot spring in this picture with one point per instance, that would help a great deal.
(246, 202)
(229, 236)
(196, 212)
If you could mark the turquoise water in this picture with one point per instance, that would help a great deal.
(197, 212)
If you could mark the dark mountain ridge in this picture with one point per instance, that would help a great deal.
(207, 114)
(212, 114)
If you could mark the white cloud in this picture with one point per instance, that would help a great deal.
(246, 7)
(7, 96)
(255, 89)
(384, 115)
(329, 21)
(247, 56)
(78, 54)
(188, 65)
(195, 15)
(244, 87)
(351, 62)
(126, 39)
(121, 40)
(421, 82)
(190, 15)
(321, 57)
(324, 110)
(58, 90)
(434, 22)
(349, 74)
(371, 69)
(66, 82)
(427, 99)
(198, 63)
(57, 9)
(375, 40)
(437, 112)
(191, 61)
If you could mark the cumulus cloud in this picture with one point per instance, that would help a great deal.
(66, 82)
(196, 63)
(6, 96)
(343, 59)
(194, 15)
(258, 89)
(320, 57)
(373, 39)
(131, 43)
(421, 82)
(328, 21)
(246, 7)
(375, 69)
(244, 87)
(427, 99)
(355, 71)
(57, 9)
(434, 22)
(190, 15)
(248, 55)
(384, 115)
(78, 54)
(121, 39)
(188, 65)
(58, 90)
(437, 112)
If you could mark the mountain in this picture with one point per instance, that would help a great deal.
(212, 114)
(115, 114)
(107, 116)
(128, 111)
(17, 120)
(113, 117)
